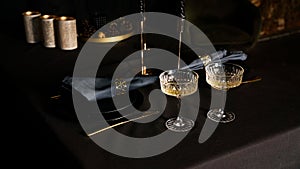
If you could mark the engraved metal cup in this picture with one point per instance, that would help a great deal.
(47, 22)
(66, 32)
(32, 26)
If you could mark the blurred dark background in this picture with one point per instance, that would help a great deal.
(277, 15)
(80, 9)
(31, 143)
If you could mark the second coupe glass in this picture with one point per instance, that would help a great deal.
(223, 77)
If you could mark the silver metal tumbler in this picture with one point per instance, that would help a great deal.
(32, 26)
(48, 30)
(66, 32)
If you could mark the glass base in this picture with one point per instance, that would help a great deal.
(179, 124)
(218, 115)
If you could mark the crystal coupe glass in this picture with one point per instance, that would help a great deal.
(179, 83)
(223, 77)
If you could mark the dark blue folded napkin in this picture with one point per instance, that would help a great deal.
(105, 87)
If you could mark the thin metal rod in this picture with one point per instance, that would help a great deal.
(180, 42)
(143, 43)
(182, 14)
(253, 80)
(124, 122)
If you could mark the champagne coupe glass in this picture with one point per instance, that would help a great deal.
(179, 83)
(223, 77)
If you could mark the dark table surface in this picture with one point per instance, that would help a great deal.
(265, 134)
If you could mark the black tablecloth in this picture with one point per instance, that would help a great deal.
(265, 134)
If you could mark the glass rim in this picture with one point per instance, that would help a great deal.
(241, 72)
(176, 70)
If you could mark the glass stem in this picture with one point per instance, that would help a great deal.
(222, 112)
(179, 121)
